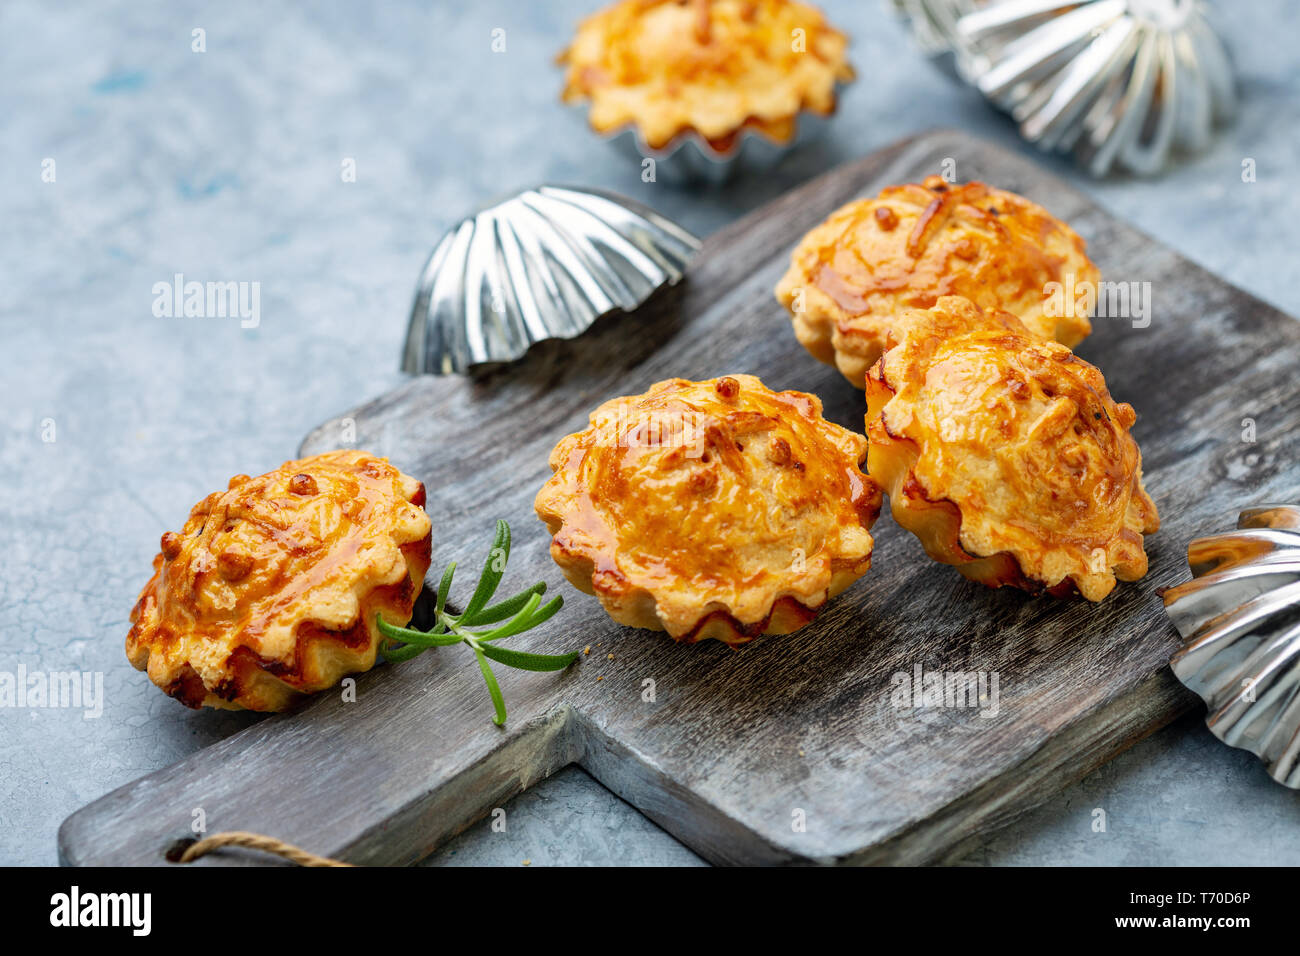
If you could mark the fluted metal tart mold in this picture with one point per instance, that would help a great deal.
(543, 264)
(1119, 83)
(1239, 617)
(691, 160)
(933, 23)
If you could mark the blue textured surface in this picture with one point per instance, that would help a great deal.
(226, 165)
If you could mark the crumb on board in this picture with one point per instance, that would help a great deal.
(528, 863)
(611, 657)
(587, 649)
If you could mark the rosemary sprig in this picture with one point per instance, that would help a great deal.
(520, 613)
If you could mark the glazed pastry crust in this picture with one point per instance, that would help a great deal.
(875, 258)
(715, 67)
(716, 509)
(271, 589)
(1006, 455)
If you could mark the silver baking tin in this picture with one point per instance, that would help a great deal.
(1239, 617)
(543, 264)
(933, 24)
(689, 160)
(1121, 84)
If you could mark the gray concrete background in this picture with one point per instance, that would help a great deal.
(225, 165)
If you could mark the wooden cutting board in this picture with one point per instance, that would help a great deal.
(739, 748)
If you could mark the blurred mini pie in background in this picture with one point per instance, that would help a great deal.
(271, 589)
(716, 509)
(716, 68)
(873, 259)
(1006, 455)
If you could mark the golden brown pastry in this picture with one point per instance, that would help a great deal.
(716, 509)
(271, 589)
(716, 67)
(1006, 455)
(875, 258)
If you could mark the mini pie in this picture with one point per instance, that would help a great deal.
(875, 258)
(271, 589)
(1005, 454)
(716, 509)
(715, 67)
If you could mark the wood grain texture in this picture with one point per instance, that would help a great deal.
(736, 743)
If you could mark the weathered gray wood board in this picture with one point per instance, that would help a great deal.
(738, 746)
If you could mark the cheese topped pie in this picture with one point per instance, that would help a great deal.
(716, 509)
(1006, 455)
(715, 67)
(875, 258)
(271, 589)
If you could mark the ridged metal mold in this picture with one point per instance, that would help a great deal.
(1119, 83)
(690, 160)
(543, 264)
(1239, 617)
(933, 22)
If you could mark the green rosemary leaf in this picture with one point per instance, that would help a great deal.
(525, 621)
(391, 631)
(494, 688)
(546, 612)
(399, 654)
(504, 609)
(516, 625)
(409, 635)
(444, 588)
(434, 640)
(529, 662)
(493, 569)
